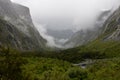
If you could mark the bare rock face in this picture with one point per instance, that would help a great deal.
(112, 26)
(115, 35)
(16, 22)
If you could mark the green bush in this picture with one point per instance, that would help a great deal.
(10, 65)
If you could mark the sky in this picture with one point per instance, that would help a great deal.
(65, 14)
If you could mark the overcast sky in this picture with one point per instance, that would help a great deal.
(66, 14)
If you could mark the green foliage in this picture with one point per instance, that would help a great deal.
(10, 65)
(51, 69)
(94, 50)
(107, 69)
(53, 65)
(77, 74)
(109, 48)
(14, 66)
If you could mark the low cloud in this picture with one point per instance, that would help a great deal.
(74, 14)
(43, 32)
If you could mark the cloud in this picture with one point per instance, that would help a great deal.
(50, 40)
(74, 12)
(43, 33)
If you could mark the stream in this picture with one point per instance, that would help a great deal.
(85, 63)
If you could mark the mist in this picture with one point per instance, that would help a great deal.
(66, 14)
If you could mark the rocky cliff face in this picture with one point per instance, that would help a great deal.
(83, 37)
(112, 27)
(16, 23)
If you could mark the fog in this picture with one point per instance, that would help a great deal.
(70, 13)
(66, 14)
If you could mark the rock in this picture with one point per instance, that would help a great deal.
(17, 28)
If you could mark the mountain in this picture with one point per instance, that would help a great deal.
(112, 27)
(108, 42)
(17, 29)
(105, 46)
(84, 36)
(60, 36)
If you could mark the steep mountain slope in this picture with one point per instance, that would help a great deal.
(22, 30)
(112, 27)
(108, 42)
(84, 36)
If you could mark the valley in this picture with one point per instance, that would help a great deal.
(93, 54)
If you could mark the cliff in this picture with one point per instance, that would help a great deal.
(16, 23)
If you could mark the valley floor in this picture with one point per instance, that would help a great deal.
(15, 67)
(101, 64)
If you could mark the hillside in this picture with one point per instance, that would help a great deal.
(17, 29)
(83, 37)
(106, 45)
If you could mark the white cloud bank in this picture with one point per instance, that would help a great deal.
(79, 12)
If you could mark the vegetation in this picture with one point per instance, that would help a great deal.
(14, 66)
(93, 50)
(58, 65)
(52, 69)
(108, 69)
(10, 65)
